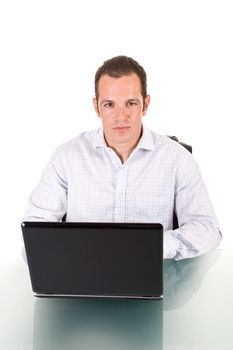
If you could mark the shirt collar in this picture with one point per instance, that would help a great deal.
(146, 141)
(100, 140)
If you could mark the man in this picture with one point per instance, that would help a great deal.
(124, 172)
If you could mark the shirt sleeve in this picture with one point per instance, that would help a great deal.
(48, 202)
(198, 230)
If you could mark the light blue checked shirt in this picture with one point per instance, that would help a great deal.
(86, 179)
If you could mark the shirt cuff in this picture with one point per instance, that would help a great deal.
(170, 245)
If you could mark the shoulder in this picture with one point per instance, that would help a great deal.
(172, 153)
(84, 141)
(177, 157)
(169, 144)
(75, 149)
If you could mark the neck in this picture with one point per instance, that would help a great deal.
(123, 150)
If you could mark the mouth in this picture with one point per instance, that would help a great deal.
(121, 128)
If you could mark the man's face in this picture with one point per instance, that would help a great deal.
(121, 108)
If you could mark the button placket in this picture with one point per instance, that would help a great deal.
(120, 195)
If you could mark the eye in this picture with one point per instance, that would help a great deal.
(108, 105)
(132, 103)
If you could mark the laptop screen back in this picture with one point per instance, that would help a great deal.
(95, 259)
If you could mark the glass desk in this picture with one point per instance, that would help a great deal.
(196, 312)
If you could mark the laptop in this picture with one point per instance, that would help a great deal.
(113, 260)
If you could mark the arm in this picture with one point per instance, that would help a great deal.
(48, 202)
(198, 230)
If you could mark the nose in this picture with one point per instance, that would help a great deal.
(121, 113)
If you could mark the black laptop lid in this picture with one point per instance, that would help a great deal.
(95, 259)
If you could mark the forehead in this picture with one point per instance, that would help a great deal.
(125, 85)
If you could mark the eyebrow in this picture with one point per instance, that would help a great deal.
(134, 99)
(106, 101)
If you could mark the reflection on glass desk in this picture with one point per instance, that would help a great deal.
(196, 313)
(98, 324)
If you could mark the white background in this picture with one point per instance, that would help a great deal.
(50, 51)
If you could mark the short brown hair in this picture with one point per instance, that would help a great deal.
(119, 66)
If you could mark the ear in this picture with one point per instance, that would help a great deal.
(146, 104)
(95, 104)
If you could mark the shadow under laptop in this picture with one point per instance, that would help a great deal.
(72, 323)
